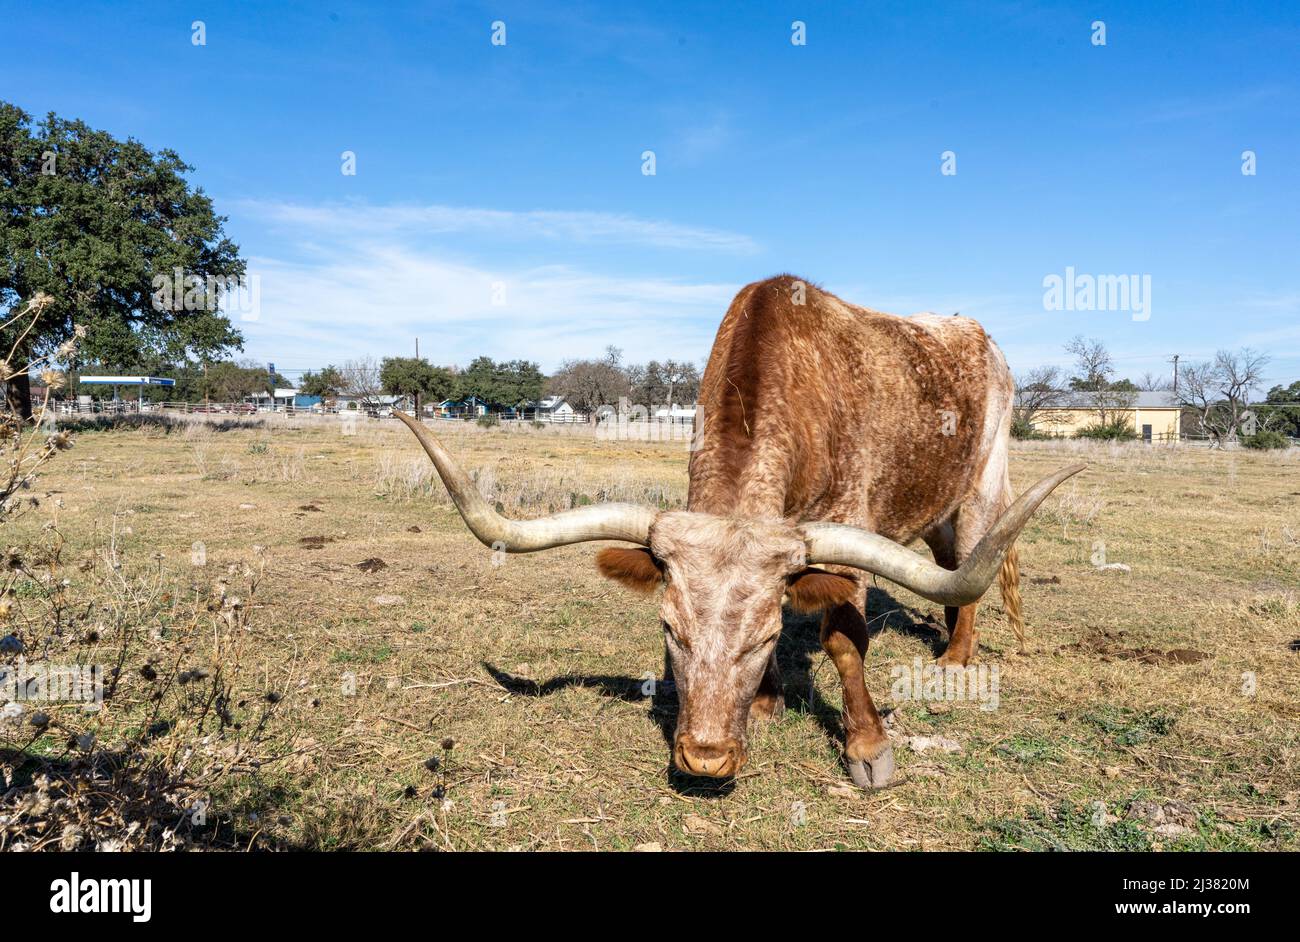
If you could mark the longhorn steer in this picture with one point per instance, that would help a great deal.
(831, 434)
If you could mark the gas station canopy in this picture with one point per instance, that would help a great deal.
(127, 380)
(116, 381)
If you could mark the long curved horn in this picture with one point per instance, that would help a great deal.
(862, 549)
(630, 522)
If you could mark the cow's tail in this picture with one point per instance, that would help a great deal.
(1009, 581)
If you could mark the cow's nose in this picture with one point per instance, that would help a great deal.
(716, 760)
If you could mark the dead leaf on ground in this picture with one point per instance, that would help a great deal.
(694, 824)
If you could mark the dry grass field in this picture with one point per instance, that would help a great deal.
(1154, 708)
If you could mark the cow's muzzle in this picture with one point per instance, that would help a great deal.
(715, 760)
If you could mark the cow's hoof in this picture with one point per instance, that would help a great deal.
(874, 773)
(766, 708)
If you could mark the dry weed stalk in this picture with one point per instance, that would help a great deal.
(125, 715)
(27, 446)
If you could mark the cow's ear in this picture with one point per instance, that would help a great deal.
(814, 590)
(635, 568)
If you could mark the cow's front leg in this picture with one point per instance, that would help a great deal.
(962, 636)
(769, 702)
(963, 639)
(869, 755)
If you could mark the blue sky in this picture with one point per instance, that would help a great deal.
(517, 169)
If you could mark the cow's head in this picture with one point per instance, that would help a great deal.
(723, 583)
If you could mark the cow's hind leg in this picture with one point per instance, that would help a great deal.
(769, 702)
(869, 756)
(963, 639)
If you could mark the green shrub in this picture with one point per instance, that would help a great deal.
(1025, 431)
(1117, 430)
(489, 421)
(161, 421)
(1265, 439)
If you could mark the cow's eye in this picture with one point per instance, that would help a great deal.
(759, 645)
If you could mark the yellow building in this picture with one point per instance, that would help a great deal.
(1153, 416)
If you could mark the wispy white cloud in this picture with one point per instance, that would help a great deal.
(1193, 109)
(1278, 316)
(699, 142)
(350, 301)
(354, 279)
(363, 219)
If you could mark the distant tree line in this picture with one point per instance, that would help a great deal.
(587, 385)
(503, 384)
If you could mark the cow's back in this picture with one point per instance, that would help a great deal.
(828, 411)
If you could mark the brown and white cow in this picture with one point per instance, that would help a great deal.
(832, 435)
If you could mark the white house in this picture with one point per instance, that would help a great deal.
(278, 399)
(382, 403)
(553, 407)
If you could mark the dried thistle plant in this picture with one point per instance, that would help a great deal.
(172, 727)
(28, 444)
(181, 731)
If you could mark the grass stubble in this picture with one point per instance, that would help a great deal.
(433, 695)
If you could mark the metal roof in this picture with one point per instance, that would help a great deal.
(1145, 399)
(127, 381)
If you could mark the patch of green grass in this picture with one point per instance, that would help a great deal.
(1029, 749)
(1127, 727)
(46, 745)
(1214, 834)
(29, 589)
(1275, 607)
(1067, 827)
(1070, 827)
(373, 655)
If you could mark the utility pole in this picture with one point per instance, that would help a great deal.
(1175, 362)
